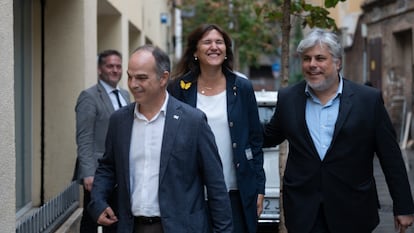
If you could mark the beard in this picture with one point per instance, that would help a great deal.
(322, 85)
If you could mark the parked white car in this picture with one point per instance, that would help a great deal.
(266, 101)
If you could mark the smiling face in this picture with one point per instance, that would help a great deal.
(147, 87)
(320, 68)
(110, 71)
(211, 49)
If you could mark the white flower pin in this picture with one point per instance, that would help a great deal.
(176, 117)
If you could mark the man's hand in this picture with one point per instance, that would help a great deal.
(260, 199)
(88, 182)
(402, 222)
(107, 217)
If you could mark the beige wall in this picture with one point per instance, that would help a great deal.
(73, 37)
(70, 66)
(74, 32)
(7, 155)
(110, 32)
(135, 37)
(125, 25)
(146, 16)
(90, 42)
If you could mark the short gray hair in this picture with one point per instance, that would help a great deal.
(321, 37)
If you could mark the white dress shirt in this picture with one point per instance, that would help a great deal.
(144, 162)
(112, 96)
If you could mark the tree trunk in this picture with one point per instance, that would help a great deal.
(283, 148)
(283, 152)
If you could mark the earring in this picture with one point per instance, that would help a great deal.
(195, 58)
(225, 57)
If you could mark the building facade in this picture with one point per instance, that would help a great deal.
(49, 55)
(382, 53)
(377, 37)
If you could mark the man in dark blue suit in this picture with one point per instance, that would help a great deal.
(334, 128)
(161, 153)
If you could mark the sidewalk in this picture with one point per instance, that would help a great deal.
(386, 216)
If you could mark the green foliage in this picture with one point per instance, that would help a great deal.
(310, 15)
(332, 3)
(255, 26)
(253, 33)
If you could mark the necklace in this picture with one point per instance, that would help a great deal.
(203, 90)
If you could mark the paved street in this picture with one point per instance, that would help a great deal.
(386, 217)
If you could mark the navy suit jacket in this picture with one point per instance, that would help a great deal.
(246, 134)
(343, 181)
(189, 161)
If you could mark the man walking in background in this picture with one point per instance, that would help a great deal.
(93, 109)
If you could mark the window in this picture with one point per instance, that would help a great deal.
(23, 104)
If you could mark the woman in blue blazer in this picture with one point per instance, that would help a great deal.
(204, 79)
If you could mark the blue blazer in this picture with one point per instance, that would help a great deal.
(246, 135)
(343, 181)
(189, 161)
